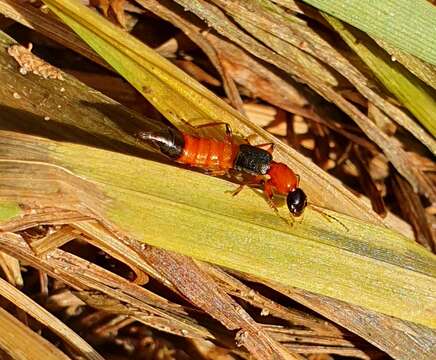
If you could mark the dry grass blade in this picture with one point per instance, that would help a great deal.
(178, 97)
(193, 30)
(44, 317)
(412, 209)
(27, 15)
(21, 343)
(400, 339)
(368, 183)
(96, 234)
(274, 246)
(11, 269)
(77, 166)
(258, 78)
(201, 290)
(53, 240)
(285, 36)
(416, 342)
(83, 275)
(237, 289)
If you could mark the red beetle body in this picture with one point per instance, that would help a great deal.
(219, 157)
(208, 154)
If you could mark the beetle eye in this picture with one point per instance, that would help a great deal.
(297, 201)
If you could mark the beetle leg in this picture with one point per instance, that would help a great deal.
(229, 133)
(268, 191)
(216, 172)
(252, 137)
(270, 148)
(255, 183)
(238, 190)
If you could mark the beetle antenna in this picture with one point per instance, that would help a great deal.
(329, 217)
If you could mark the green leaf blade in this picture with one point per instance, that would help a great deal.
(365, 265)
(408, 25)
(414, 94)
(9, 210)
(190, 213)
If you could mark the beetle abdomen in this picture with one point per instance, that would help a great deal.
(169, 141)
(208, 153)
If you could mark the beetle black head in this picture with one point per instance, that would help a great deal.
(297, 201)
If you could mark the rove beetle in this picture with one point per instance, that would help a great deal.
(219, 157)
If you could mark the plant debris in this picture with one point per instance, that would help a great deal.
(30, 63)
(74, 287)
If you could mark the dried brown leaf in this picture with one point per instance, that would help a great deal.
(27, 15)
(236, 288)
(278, 28)
(367, 183)
(257, 77)
(201, 290)
(118, 8)
(192, 29)
(42, 216)
(197, 72)
(21, 343)
(81, 274)
(43, 316)
(11, 269)
(412, 209)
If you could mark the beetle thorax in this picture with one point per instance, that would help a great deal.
(252, 160)
(282, 178)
